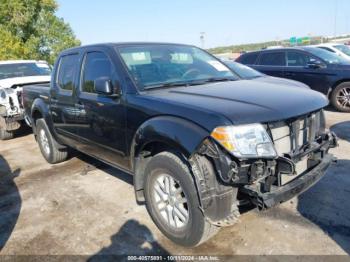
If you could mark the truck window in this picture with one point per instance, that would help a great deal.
(67, 69)
(273, 59)
(96, 65)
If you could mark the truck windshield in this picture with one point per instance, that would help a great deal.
(24, 69)
(164, 65)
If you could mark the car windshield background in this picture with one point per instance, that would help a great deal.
(159, 65)
(329, 57)
(326, 48)
(243, 71)
(24, 69)
(343, 48)
(273, 59)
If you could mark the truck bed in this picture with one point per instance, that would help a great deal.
(31, 92)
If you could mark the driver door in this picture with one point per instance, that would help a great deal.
(101, 118)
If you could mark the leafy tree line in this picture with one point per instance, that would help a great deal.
(29, 29)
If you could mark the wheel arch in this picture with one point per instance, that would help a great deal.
(164, 133)
(40, 109)
(334, 86)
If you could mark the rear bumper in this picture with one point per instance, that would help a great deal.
(288, 191)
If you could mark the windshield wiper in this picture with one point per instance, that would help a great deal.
(190, 83)
(164, 85)
(215, 79)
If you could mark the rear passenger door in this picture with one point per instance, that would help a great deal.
(272, 63)
(101, 118)
(62, 97)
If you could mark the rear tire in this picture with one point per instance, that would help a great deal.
(50, 149)
(340, 97)
(5, 135)
(189, 229)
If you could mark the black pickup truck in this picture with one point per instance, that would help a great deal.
(200, 142)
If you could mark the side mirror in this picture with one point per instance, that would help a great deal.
(315, 64)
(104, 86)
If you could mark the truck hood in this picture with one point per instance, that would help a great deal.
(245, 101)
(10, 82)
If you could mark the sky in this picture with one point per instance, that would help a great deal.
(224, 22)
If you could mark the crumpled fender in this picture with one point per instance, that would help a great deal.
(180, 134)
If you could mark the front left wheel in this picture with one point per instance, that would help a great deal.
(172, 201)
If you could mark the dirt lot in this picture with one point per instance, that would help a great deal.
(85, 207)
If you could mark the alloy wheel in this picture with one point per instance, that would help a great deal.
(44, 142)
(171, 202)
(343, 97)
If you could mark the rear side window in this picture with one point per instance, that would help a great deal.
(249, 59)
(67, 70)
(96, 65)
(273, 59)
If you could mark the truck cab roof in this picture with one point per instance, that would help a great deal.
(118, 44)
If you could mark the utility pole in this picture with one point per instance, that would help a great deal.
(335, 17)
(202, 39)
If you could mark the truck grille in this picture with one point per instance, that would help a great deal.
(291, 135)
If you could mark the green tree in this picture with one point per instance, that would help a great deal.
(29, 29)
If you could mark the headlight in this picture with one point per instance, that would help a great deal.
(246, 141)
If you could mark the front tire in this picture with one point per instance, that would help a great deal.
(340, 97)
(5, 135)
(172, 201)
(48, 146)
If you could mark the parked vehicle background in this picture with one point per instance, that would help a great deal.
(199, 141)
(321, 70)
(339, 49)
(248, 73)
(14, 75)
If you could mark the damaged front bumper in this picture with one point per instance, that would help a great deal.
(11, 123)
(225, 182)
(281, 194)
(318, 161)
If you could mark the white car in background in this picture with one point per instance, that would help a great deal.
(339, 49)
(14, 76)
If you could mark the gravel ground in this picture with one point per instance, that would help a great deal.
(82, 207)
